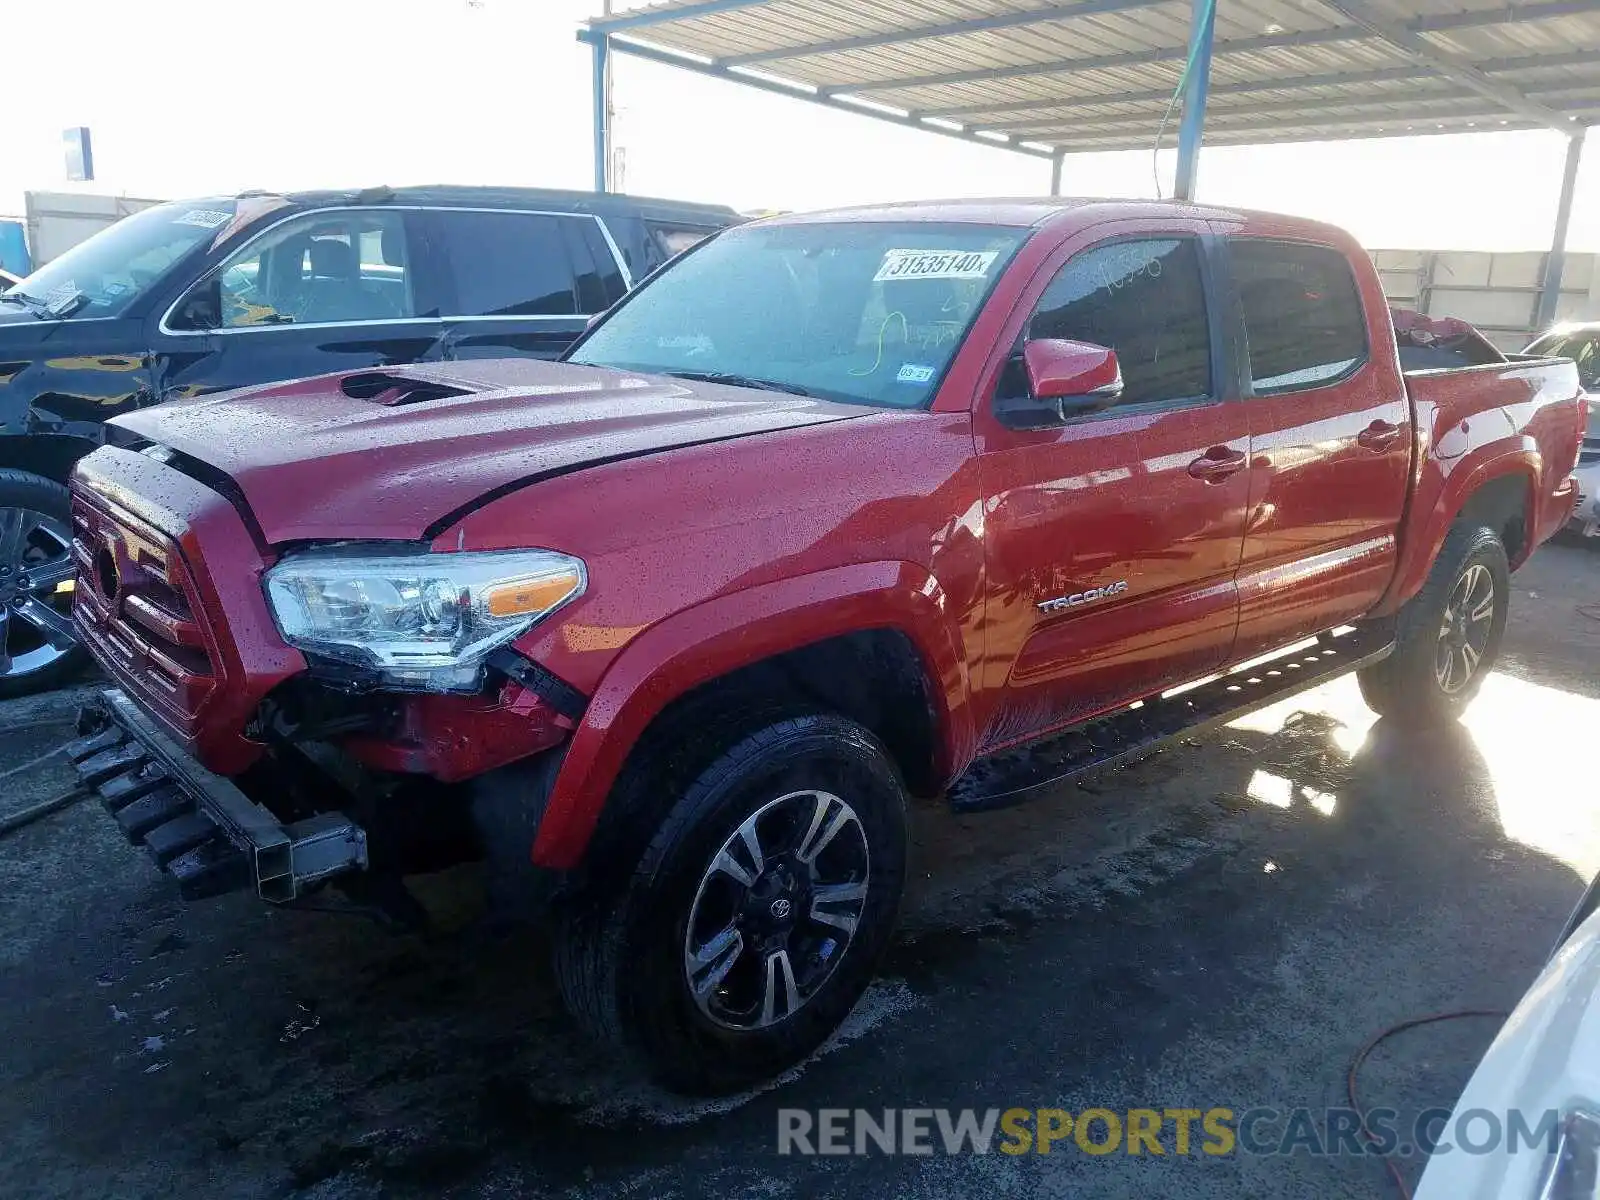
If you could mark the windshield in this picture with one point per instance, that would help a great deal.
(869, 313)
(112, 268)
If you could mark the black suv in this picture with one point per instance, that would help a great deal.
(201, 295)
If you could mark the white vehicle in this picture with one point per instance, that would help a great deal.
(1581, 343)
(1546, 1060)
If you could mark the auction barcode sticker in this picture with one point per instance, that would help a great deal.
(205, 218)
(935, 264)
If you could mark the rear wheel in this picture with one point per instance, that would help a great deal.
(756, 914)
(1448, 635)
(38, 645)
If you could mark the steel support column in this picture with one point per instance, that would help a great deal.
(1055, 174)
(601, 45)
(1553, 266)
(1202, 31)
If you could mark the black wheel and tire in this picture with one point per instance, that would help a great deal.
(756, 914)
(38, 646)
(1447, 636)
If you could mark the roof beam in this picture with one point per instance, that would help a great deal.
(920, 33)
(639, 18)
(1539, 9)
(1577, 95)
(796, 91)
(1281, 134)
(1140, 134)
(999, 112)
(1415, 47)
(1096, 62)
(998, 108)
(1521, 14)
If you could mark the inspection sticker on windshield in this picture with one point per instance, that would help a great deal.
(206, 218)
(935, 264)
(912, 373)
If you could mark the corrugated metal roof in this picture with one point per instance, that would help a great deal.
(1076, 75)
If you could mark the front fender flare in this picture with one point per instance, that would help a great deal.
(720, 635)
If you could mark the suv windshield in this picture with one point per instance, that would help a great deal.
(113, 267)
(865, 312)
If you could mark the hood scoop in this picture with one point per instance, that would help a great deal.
(393, 391)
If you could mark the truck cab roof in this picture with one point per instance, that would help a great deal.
(1024, 211)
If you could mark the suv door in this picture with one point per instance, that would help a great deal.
(1330, 441)
(521, 284)
(331, 290)
(1112, 540)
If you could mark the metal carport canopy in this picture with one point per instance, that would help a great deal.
(1051, 79)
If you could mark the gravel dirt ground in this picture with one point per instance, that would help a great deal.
(1222, 924)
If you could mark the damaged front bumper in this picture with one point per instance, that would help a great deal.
(197, 825)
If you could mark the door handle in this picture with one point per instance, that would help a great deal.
(1380, 435)
(1216, 464)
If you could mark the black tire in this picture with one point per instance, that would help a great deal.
(622, 950)
(22, 490)
(1407, 687)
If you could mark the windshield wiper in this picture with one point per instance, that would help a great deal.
(58, 310)
(32, 303)
(749, 381)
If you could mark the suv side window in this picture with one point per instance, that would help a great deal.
(509, 264)
(1302, 314)
(672, 239)
(1585, 351)
(609, 279)
(328, 267)
(1145, 299)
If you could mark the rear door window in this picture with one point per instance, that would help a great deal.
(608, 273)
(1302, 312)
(509, 264)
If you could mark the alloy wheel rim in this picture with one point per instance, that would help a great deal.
(776, 910)
(1464, 632)
(35, 606)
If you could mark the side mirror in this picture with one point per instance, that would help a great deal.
(201, 308)
(1083, 376)
(1065, 379)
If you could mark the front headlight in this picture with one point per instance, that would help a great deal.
(423, 622)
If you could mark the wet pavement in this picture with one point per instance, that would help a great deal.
(1221, 925)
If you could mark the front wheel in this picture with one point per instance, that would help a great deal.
(757, 914)
(1447, 637)
(38, 645)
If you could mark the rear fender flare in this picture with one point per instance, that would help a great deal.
(711, 639)
(1517, 457)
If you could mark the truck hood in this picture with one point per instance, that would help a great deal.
(404, 452)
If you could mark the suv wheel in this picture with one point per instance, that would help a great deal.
(1447, 636)
(756, 915)
(38, 645)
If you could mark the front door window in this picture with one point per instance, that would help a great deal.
(325, 268)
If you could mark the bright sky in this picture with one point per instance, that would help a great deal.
(185, 98)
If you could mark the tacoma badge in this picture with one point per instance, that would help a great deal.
(1088, 597)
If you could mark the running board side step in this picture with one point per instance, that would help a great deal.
(1014, 776)
(197, 826)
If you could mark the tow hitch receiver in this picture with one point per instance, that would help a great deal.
(199, 827)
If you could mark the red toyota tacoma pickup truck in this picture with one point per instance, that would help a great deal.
(836, 511)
